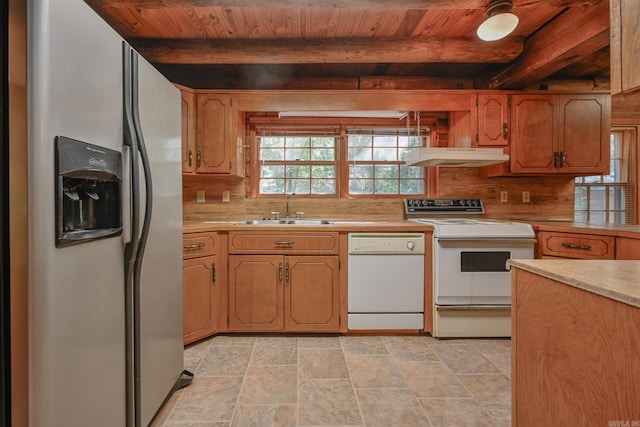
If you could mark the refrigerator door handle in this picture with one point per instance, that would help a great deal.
(131, 246)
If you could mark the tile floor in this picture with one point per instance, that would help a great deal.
(344, 381)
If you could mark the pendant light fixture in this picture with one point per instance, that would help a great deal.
(499, 21)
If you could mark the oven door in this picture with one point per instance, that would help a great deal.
(473, 272)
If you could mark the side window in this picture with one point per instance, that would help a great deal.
(611, 198)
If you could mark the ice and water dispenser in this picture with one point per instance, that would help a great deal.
(88, 192)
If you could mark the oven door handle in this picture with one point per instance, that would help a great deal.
(473, 307)
(486, 239)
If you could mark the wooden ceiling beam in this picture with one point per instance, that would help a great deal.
(576, 33)
(329, 51)
(350, 4)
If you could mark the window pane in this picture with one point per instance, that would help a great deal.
(323, 154)
(323, 142)
(360, 141)
(384, 171)
(361, 186)
(385, 141)
(411, 171)
(323, 186)
(580, 216)
(302, 171)
(271, 154)
(297, 154)
(301, 186)
(270, 171)
(272, 186)
(361, 171)
(411, 186)
(581, 198)
(598, 198)
(386, 186)
(297, 142)
(363, 154)
(328, 171)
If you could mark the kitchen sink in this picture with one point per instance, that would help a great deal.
(291, 221)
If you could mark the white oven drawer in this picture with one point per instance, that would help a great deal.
(468, 272)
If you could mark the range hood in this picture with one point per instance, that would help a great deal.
(455, 157)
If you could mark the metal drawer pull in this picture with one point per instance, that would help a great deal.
(194, 246)
(283, 242)
(286, 275)
(576, 246)
(280, 272)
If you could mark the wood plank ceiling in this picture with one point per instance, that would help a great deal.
(360, 44)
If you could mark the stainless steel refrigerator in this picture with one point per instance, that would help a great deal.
(105, 252)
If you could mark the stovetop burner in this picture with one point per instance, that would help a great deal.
(462, 219)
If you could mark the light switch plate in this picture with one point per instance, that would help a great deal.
(226, 196)
(526, 197)
(504, 197)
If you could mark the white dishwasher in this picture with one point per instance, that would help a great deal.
(386, 281)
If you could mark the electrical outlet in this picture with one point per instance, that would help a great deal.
(226, 196)
(526, 197)
(200, 196)
(504, 197)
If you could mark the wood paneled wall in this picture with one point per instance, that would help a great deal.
(551, 198)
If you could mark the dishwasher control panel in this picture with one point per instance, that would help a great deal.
(386, 243)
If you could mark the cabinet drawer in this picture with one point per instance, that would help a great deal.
(582, 246)
(283, 243)
(198, 244)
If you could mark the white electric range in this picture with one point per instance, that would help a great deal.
(471, 284)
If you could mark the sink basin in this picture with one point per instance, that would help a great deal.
(291, 221)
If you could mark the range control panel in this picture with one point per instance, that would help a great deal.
(417, 208)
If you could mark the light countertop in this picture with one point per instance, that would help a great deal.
(617, 280)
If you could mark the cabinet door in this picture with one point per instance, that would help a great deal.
(627, 248)
(534, 133)
(493, 128)
(625, 46)
(312, 302)
(199, 298)
(212, 138)
(256, 293)
(584, 123)
(188, 132)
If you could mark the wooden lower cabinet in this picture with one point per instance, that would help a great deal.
(199, 300)
(283, 293)
(553, 244)
(627, 248)
(574, 356)
(204, 281)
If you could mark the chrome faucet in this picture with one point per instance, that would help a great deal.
(286, 213)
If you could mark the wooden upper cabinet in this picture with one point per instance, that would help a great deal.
(566, 134)
(625, 46)
(585, 125)
(188, 132)
(534, 133)
(213, 128)
(212, 135)
(493, 124)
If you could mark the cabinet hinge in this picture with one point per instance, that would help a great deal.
(477, 137)
(213, 272)
(509, 101)
(230, 164)
(231, 102)
(477, 102)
